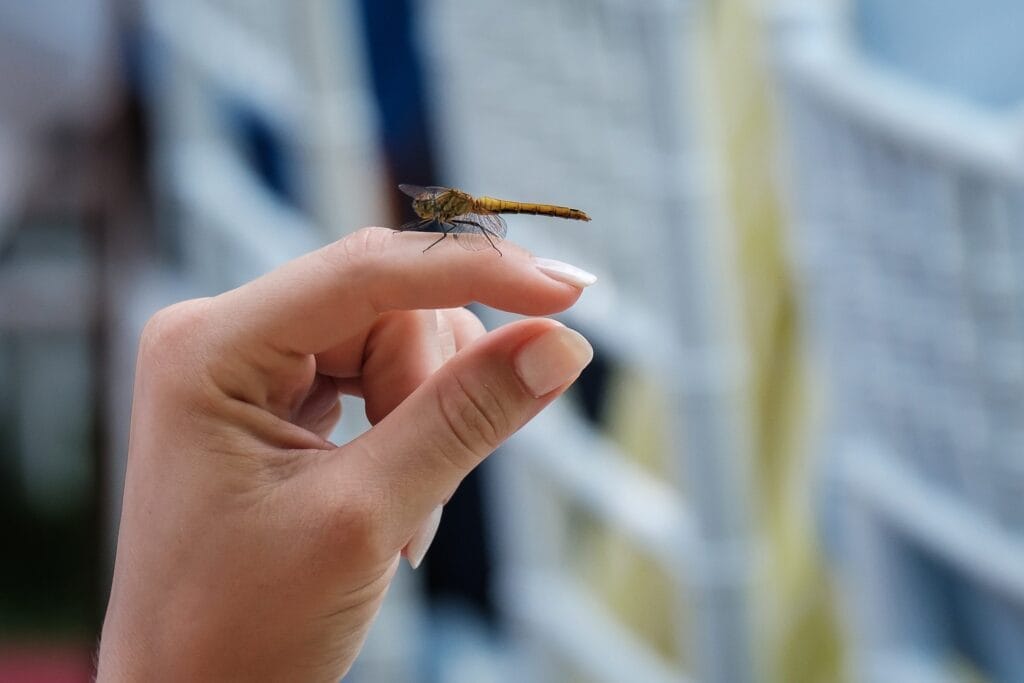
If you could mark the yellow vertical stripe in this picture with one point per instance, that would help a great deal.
(802, 645)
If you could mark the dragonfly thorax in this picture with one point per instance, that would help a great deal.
(443, 206)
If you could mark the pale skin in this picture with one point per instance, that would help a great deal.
(250, 547)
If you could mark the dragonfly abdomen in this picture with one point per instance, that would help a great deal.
(505, 206)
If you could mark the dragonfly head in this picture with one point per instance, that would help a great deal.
(424, 206)
(438, 203)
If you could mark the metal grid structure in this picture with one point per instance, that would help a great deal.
(591, 105)
(299, 68)
(907, 209)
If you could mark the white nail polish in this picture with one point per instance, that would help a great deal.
(417, 548)
(564, 272)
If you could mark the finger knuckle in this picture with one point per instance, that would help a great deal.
(476, 418)
(173, 330)
(358, 247)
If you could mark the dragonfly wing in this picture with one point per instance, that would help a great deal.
(413, 191)
(418, 225)
(477, 231)
(418, 192)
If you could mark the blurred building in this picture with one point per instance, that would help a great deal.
(906, 252)
(795, 455)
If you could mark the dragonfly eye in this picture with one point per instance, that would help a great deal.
(421, 207)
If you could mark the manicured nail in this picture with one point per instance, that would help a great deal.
(417, 548)
(564, 272)
(552, 359)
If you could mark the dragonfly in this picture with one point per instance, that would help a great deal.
(473, 222)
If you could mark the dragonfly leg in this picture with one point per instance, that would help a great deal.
(414, 225)
(487, 234)
(484, 230)
(443, 235)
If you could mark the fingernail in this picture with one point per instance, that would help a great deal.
(417, 548)
(552, 359)
(564, 272)
(445, 336)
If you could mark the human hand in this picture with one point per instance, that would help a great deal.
(250, 548)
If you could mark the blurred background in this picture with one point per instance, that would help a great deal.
(799, 453)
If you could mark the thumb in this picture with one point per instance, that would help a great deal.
(419, 453)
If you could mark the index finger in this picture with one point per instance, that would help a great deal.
(315, 302)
